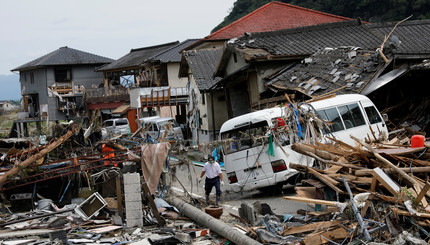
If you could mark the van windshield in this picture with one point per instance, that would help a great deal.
(244, 136)
(107, 123)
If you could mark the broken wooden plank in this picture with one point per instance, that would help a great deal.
(366, 172)
(17, 167)
(406, 213)
(309, 227)
(421, 195)
(311, 200)
(327, 180)
(386, 162)
(305, 191)
(321, 238)
(386, 181)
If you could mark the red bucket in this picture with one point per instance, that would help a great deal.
(417, 141)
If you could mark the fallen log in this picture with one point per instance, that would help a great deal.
(367, 172)
(221, 228)
(17, 167)
(321, 155)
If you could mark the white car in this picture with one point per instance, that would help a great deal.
(156, 128)
(115, 126)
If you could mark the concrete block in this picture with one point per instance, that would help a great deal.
(132, 197)
(132, 189)
(133, 205)
(133, 222)
(134, 215)
(131, 178)
(247, 212)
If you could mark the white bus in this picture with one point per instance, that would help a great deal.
(252, 162)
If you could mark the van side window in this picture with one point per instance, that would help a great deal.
(331, 115)
(351, 115)
(373, 115)
(121, 122)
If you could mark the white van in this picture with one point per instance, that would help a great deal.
(251, 164)
(157, 126)
(115, 126)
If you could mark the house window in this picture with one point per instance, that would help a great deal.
(63, 74)
(203, 99)
(235, 57)
(32, 77)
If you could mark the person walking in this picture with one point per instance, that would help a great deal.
(213, 173)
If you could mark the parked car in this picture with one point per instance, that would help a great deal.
(156, 128)
(115, 126)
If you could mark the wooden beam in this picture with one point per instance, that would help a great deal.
(311, 200)
(309, 227)
(319, 238)
(17, 167)
(386, 181)
(422, 193)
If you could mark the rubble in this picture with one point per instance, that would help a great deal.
(73, 190)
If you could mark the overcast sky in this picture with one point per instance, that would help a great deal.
(108, 28)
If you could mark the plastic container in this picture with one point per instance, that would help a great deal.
(417, 141)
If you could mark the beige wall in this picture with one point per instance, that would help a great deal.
(174, 80)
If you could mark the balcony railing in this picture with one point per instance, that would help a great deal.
(113, 93)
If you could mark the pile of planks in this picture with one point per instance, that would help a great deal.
(371, 192)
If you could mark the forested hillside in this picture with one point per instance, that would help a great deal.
(368, 10)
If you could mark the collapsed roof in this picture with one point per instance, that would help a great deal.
(136, 57)
(202, 64)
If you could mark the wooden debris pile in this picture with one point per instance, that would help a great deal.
(375, 192)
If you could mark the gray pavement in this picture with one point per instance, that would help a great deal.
(231, 201)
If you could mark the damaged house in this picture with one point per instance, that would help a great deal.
(316, 61)
(142, 83)
(204, 116)
(206, 112)
(53, 85)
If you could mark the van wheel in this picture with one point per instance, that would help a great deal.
(296, 179)
(273, 190)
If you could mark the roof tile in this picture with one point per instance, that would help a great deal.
(274, 16)
(65, 56)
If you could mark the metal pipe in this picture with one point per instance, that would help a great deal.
(212, 223)
(363, 227)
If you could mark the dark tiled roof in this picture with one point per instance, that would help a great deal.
(414, 35)
(344, 70)
(136, 57)
(172, 54)
(65, 56)
(308, 40)
(202, 64)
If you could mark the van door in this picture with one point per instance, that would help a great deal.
(375, 119)
(109, 126)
